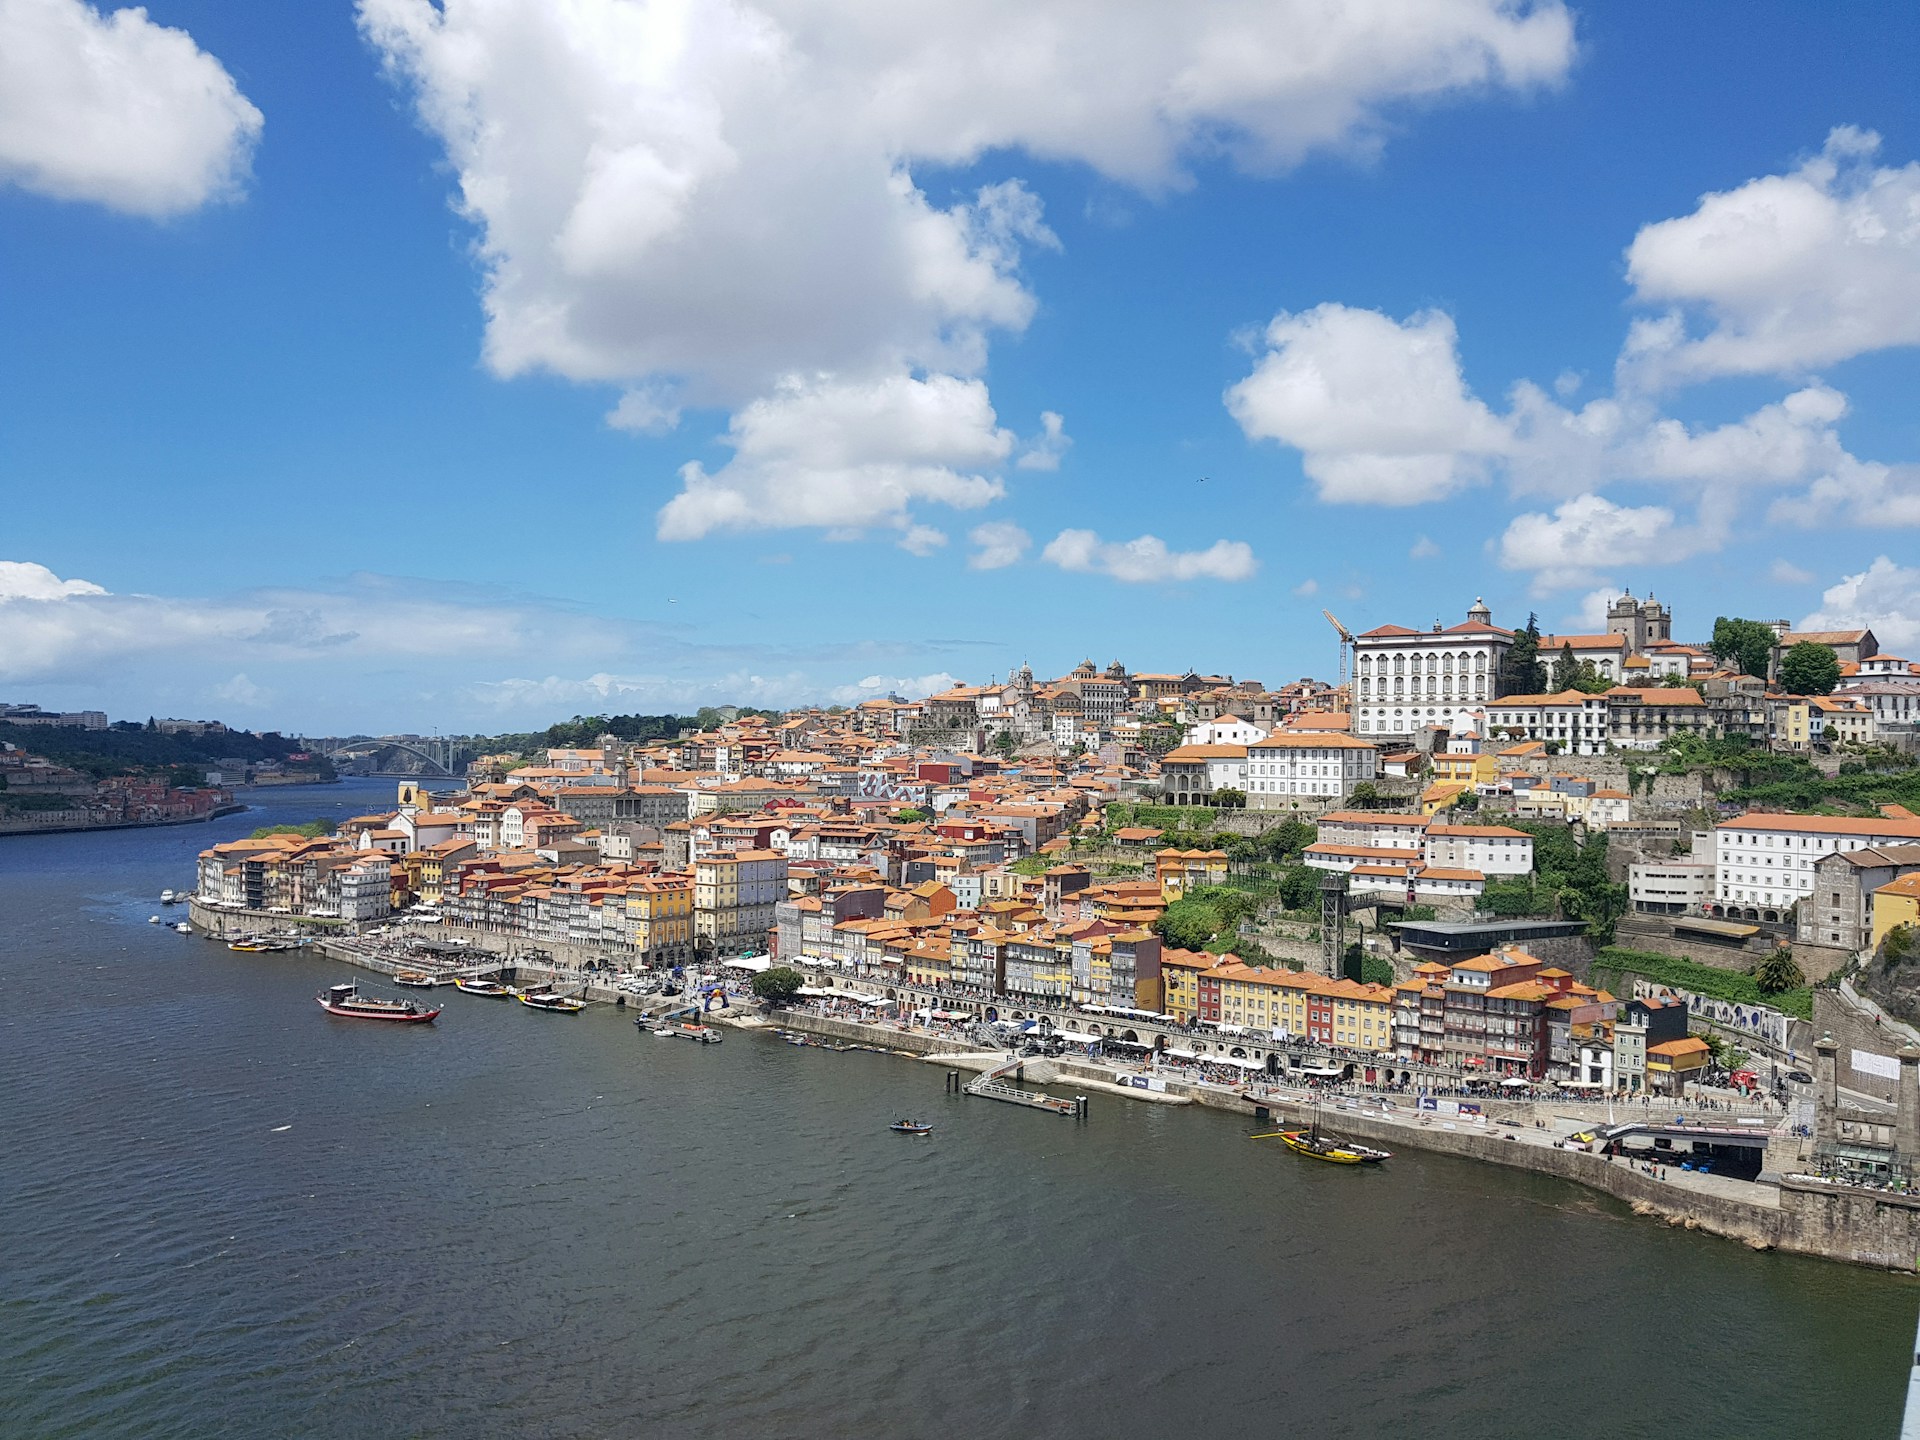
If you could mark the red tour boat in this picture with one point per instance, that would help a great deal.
(347, 1001)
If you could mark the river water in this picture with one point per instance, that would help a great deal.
(229, 1215)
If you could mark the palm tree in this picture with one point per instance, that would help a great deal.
(1778, 973)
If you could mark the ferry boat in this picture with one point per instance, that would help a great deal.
(347, 1001)
(551, 1000)
(911, 1127)
(493, 989)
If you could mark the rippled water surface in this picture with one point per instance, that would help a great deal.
(227, 1214)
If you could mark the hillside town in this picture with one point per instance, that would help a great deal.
(1350, 850)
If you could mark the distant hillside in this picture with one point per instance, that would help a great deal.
(127, 749)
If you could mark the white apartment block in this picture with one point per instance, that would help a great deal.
(1287, 767)
(1575, 721)
(1490, 849)
(1764, 863)
(1406, 679)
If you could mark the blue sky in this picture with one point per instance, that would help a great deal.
(292, 434)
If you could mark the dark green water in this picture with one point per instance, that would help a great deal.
(523, 1225)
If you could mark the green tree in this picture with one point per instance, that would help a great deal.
(1681, 682)
(1565, 668)
(1365, 793)
(779, 985)
(1525, 673)
(1286, 840)
(1746, 645)
(1376, 970)
(1003, 742)
(909, 816)
(1353, 962)
(1186, 925)
(1778, 972)
(1300, 887)
(1809, 669)
(1230, 799)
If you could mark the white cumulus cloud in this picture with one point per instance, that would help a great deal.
(1884, 598)
(846, 456)
(117, 110)
(702, 201)
(922, 540)
(1784, 272)
(24, 580)
(1000, 542)
(1588, 534)
(1049, 447)
(1377, 408)
(1147, 559)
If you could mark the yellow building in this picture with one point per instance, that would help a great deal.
(660, 916)
(1180, 971)
(1440, 796)
(1337, 1012)
(1894, 905)
(1182, 871)
(1464, 770)
(1796, 732)
(929, 962)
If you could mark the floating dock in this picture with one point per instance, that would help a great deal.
(993, 1084)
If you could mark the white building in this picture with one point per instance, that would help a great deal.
(1227, 730)
(1764, 863)
(366, 889)
(1490, 849)
(1670, 887)
(1571, 721)
(1290, 768)
(1406, 679)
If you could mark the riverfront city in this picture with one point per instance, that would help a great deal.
(733, 718)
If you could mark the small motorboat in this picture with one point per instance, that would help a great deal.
(702, 1034)
(153, 919)
(911, 1127)
(551, 1000)
(493, 989)
(166, 897)
(184, 928)
(347, 1002)
(417, 980)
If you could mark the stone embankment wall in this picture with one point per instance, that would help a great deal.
(232, 924)
(1858, 1029)
(854, 1033)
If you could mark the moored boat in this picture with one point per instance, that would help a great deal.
(493, 989)
(184, 928)
(703, 1034)
(417, 980)
(551, 1000)
(347, 1002)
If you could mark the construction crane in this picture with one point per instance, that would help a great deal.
(1346, 646)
